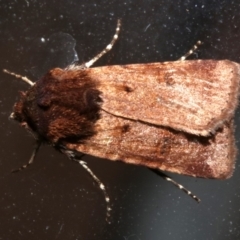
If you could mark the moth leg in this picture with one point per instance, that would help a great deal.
(34, 153)
(106, 49)
(191, 51)
(161, 174)
(25, 79)
(72, 157)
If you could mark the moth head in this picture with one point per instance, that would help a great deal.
(24, 111)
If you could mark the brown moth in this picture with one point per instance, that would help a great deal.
(173, 116)
(86, 110)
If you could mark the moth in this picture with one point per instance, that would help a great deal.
(172, 116)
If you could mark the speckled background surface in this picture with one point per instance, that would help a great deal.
(56, 199)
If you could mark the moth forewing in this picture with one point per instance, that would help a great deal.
(162, 148)
(192, 96)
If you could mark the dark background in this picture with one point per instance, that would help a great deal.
(56, 199)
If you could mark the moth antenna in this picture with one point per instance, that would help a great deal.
(72, 157)
(34, 153)
(167, 178)
(191, 51)
(106, 49)
(25, 79)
